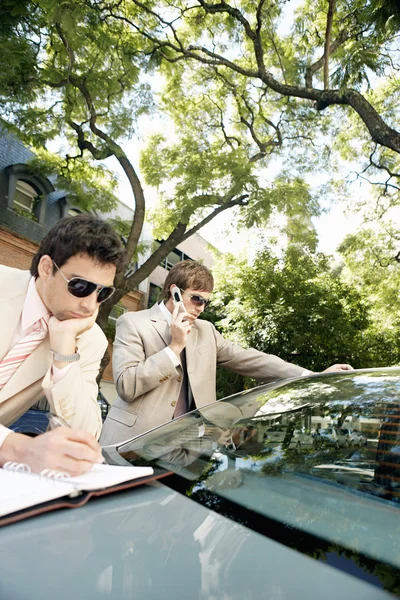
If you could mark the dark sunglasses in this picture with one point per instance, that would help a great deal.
(81, 288)
(196, 300)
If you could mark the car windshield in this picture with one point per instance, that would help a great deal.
(259, 457)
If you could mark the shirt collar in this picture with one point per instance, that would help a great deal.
(33, 308)
(165, 312)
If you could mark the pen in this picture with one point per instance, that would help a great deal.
(56, 421)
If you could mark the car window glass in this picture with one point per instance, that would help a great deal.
(320, 454)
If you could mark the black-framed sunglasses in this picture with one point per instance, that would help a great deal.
(196, 300)
(81, 288)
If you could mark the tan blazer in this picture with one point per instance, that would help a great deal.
(74, 398)
(148, 384)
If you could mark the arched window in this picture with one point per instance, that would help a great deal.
(26, 196)
(27, 192)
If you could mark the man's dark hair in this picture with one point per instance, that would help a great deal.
(82, 234)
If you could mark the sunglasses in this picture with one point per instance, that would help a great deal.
(196, 300)
(81, 288)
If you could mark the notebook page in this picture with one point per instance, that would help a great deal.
(103, 476)
(22, 490)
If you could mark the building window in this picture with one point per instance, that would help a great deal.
(27, 193)
(26, 196)
(173, 258)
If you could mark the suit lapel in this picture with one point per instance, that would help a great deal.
(10, 310)
(160, 325)
(36, 365)
(191, 345)
(163, 329)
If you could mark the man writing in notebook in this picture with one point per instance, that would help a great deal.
(51, 346)
(165, 361)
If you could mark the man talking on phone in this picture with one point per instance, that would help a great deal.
(51, 346)
(165, 358)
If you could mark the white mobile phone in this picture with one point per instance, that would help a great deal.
(177, 299)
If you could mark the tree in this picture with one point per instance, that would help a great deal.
(338, 55)
(238, 94)
(297, 307)
(18, 59)
(370, 262)
(350, 39)
(90, 89)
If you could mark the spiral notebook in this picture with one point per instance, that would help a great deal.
(20, 490)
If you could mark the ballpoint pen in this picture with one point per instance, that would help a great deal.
(56, 421)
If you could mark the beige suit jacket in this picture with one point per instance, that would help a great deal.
(148, 384)
(74, 398)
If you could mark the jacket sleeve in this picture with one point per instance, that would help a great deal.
(134, 373)
(252, 363)
(74, 397)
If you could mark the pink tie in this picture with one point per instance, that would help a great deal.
(22, 349)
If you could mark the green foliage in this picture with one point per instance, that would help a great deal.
(370, 263)
(87, 184)
(296, 307)
(24, 213)
(83, 72)
(18, 57)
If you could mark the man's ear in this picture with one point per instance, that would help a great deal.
(45, 267)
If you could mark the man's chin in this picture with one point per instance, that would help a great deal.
(68, 316)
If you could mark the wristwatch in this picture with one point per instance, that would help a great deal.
(65, 357)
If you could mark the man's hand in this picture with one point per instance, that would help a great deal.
(221, 436)
(62, 449)
(336, 368)
(70, 328)
(63, 334)
(180, 329)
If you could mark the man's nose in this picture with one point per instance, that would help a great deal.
(90, 302)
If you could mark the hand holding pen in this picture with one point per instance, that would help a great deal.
(61, 449)
(85, 451)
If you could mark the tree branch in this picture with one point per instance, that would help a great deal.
(176, 237)
(327, 49)
(112, 149)
(311, 69)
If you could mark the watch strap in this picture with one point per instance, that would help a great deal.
(65, 357)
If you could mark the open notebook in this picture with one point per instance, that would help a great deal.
(21, 490)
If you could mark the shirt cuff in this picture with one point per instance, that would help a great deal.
(59, 374)
(305, 373)
(175, 360)
(4, 432)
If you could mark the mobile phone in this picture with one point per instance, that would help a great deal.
(177, 299)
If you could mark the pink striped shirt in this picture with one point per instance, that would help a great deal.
(32, 311)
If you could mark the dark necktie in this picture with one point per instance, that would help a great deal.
(183, 399)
